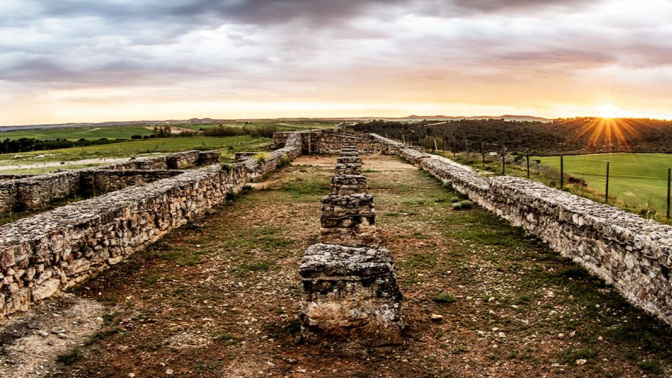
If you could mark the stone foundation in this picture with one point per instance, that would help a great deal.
(38, 191)
(350, 295)
(349, 284)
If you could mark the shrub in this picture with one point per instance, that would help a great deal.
(457, 206)
(467, 204)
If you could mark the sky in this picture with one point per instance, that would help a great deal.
(115, 60)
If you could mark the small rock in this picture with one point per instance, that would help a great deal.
(491, 299)
(436, 317)
(62, 336)
(56, 331)
(581, 362)
(43, 333)
(131, 375)
(600, 338)
(502, 335)
(169, 371)
(291, 360)
(561, 336)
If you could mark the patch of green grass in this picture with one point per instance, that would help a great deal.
(651, 367)
(419, 261)
(444, 298)
(259, 266)
(102, 335)
(182, 256)
(571, 355)
(306, 187)
(69, 358)
(227, 338)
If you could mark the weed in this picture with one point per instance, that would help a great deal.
(571, 356)
(444, 298)
(69, 358)
(652, 367)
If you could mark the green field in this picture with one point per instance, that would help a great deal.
(228, 146)
(78, 133)
(639, 180)
(125, 132)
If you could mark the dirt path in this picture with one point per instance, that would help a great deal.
(220, 296)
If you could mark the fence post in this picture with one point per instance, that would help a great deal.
(466, 146)
(562, 171)
(443, 145)
(483, 153)
(527, 157)
(669, 173)
(403, 140)
(606, 189)
(436, 147)
(504, 162)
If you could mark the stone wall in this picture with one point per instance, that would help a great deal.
(98, 182)
(331, 141)
(52, 251)
(629, 252)
(259, 165)
(35, 192)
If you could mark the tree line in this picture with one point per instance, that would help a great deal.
(570, 135)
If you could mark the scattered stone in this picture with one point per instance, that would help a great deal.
(436, 317)
(581, 361)
(561, 336)
(43, 333)
(169, 371)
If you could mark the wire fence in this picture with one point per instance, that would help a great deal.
(636, 182)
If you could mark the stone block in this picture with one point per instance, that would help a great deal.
(350, 294)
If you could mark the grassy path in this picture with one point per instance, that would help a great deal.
(220, 297)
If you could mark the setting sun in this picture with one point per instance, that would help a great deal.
(610, 111)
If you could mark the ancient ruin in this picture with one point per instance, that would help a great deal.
(350, 291)
(136, 203)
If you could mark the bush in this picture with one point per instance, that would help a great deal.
(467, 204)
(136, 136)
(454, 199)
(457, 206)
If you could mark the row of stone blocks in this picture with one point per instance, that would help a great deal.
(350, 292)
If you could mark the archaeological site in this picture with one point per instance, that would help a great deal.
(279, 264)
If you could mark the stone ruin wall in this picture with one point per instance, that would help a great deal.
(46, 253)
(331, 141)
(52, 251)
(37, 191)
(631, 253)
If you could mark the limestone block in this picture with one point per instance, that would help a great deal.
(350, 294)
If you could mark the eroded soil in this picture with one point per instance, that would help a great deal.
(220, 296)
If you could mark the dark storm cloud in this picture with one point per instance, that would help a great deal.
(517, 5)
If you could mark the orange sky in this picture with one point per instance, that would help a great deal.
(107, 60)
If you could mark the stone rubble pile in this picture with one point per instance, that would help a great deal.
(350, 291)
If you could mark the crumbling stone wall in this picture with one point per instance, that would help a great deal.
(259, 165)
(38, 191)
(98, 182)
(632, 253)
(52, 251)
(331, 141)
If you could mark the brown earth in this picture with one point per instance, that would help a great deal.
(220, 296)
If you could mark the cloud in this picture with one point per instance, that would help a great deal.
(355, 50)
